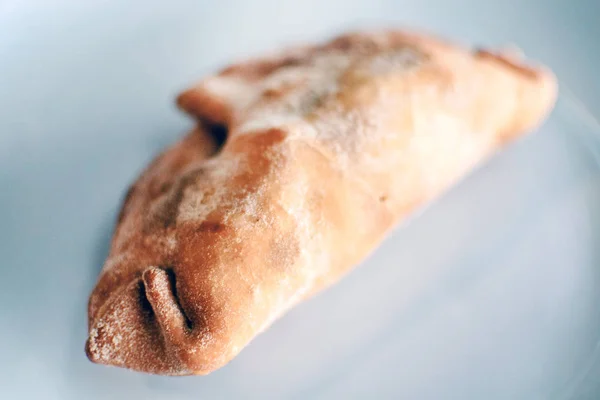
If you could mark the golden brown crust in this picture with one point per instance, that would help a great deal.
(328, 148)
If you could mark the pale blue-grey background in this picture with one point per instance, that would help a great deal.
(491, 293)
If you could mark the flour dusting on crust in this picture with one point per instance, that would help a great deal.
(327, 148)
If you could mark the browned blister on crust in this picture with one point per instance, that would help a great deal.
(327, 149)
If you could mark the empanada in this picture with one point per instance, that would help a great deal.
(325, 150)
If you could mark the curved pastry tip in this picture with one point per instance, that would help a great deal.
(142, 327)
(125, 333)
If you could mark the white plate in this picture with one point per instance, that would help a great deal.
(492, 293)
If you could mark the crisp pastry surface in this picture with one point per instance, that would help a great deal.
(300, 164)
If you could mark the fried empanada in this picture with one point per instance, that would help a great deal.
(301, 164)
